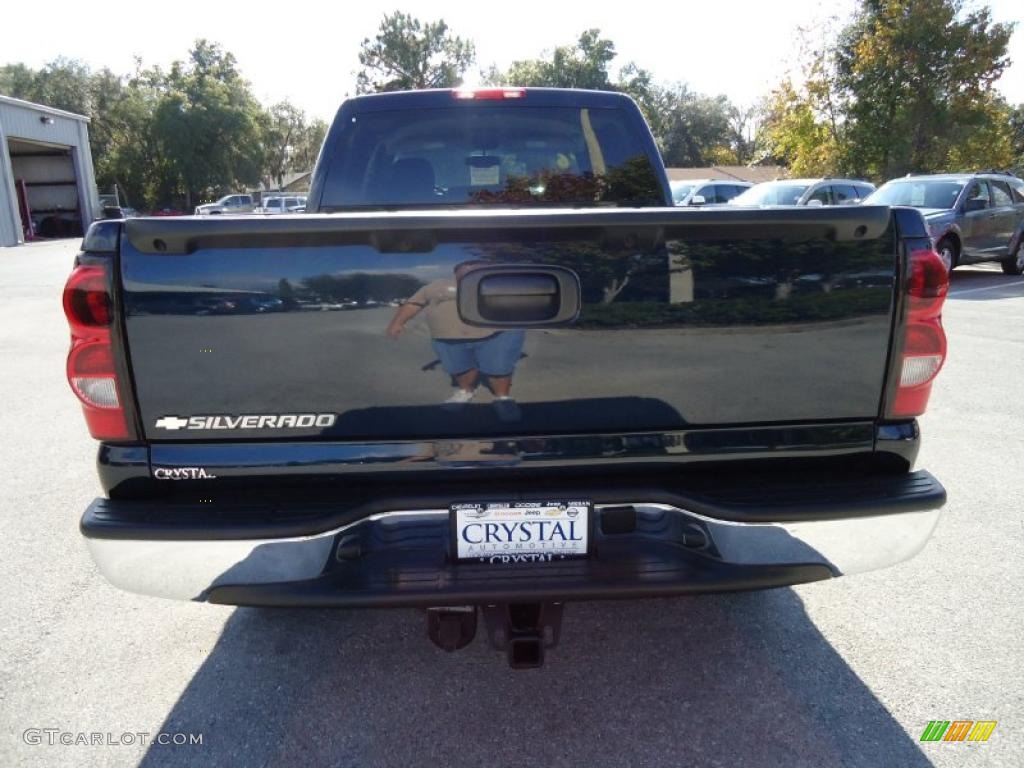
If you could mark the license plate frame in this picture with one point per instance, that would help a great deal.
(517, 520)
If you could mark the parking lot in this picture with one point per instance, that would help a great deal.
(847, 672)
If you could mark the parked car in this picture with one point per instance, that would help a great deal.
(972, 217)
(674, 434)
(227, 204)
(812, 192)
(275, 204)
(706, 191)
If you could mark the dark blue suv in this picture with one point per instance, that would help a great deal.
(971, 217)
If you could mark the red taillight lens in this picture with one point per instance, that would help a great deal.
(86, 301)
(484, 94)
(929, 282)
(924, 341)
(90, 367)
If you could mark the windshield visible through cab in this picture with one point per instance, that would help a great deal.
(771, 193)
(680, 191)
(917, 193)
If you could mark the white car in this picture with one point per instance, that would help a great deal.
(810, 192)
(706, 191)
(295, 204)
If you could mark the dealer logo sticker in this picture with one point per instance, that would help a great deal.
(249, 421)
(182, 473)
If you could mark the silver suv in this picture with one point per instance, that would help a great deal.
(279, 204)
(972, 217)
(812, 192)
(227, 204)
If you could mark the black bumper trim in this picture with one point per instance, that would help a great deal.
(391, 586)
(759, 501)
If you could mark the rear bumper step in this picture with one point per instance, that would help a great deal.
(399, 557)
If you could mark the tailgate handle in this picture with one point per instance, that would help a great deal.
(514, 296)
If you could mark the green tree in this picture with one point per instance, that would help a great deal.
(207, 123)
(907, 85)
(119, 122)
(914, 80)
(307, 145)
(17, 81)
(124, 150)
(793, 133)
(62, 84)
(409, 54)
(1017, 138)
(292, 142)
(690, 129)
(583, 64)
(985, 137)
(742, 133)
(283, 126)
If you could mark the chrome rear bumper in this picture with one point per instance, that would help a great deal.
(400, 558)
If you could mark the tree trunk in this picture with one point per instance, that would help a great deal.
(612, 291)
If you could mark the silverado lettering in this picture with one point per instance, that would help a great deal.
(253, 421)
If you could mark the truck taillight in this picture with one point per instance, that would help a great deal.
(924, 341)
(90, 367)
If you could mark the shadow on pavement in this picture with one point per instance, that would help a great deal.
(742, 679)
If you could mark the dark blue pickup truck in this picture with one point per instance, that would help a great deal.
(492, 370)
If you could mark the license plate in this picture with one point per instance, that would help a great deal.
(521, 531)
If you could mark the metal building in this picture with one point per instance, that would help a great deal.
(47, 183)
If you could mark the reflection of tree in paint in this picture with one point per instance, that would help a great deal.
(546, 187)
(286, 293)
(738, 310)
(360, 287)
(777, 268)
(633, 183)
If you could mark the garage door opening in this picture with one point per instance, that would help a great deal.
(48, 189)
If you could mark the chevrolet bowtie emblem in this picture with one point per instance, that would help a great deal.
(171, 422)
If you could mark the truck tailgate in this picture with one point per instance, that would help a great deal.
(257, 328)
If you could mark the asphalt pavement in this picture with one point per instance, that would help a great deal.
(845, 672)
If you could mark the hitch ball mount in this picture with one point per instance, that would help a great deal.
(524, 631)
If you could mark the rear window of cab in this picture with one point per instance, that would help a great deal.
(480, 156)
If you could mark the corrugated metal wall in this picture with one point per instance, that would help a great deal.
(10, 222)
(19, 121)
(48, 170)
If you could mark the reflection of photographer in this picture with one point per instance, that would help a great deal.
(465, 352)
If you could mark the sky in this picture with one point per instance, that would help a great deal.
(306, 52)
